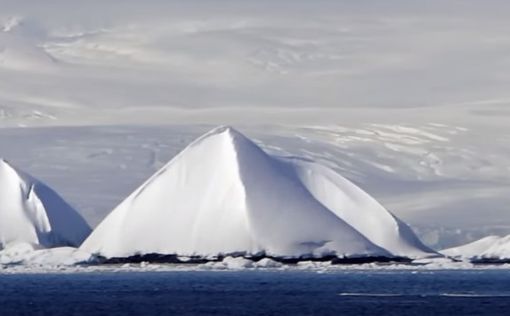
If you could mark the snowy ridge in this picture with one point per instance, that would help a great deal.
(225, 195)
(31, 212)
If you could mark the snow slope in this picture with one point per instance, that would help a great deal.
(473, 249)
(490, 247)
(31, 212)
(224, 195)
(500, 249)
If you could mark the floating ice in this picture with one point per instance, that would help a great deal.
(32, 213)
(223, 195)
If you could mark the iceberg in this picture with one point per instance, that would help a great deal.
(223, 195)
(472, 249)
(490, 249)
(499, 250)
(32, 213)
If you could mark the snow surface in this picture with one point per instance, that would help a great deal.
(26, 255)
(31, 212)
(225, 195)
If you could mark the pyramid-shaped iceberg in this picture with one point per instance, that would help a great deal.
(224, 195)
(31, 212)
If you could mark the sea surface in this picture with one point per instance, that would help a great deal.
(469, 292)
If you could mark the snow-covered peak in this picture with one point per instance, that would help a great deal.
(231, 137)
(30, 212)
(224, 195)
(12, 180)
(5, 168)
(4, 163)
(225, 130)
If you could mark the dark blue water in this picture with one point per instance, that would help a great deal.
(257, 293)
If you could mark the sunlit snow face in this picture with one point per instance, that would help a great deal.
(236, 58)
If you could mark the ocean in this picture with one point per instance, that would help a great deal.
(349, 292)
